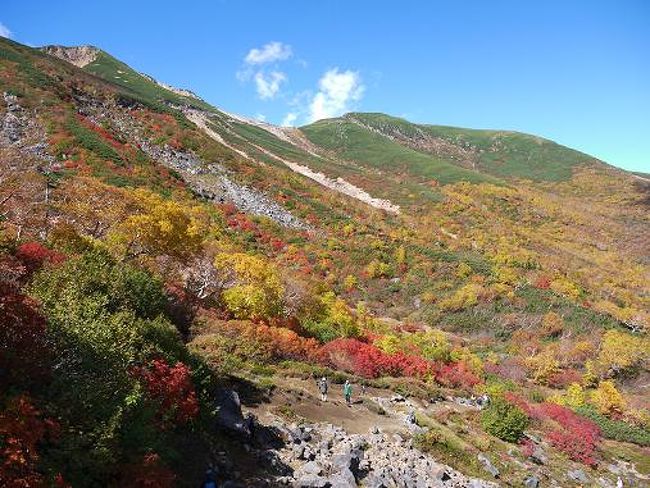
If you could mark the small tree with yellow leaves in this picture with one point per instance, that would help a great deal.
(256, 292)
(607, 399)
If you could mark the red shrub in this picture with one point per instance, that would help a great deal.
(22, 429)
(527, 447)
(22, 339)
(521, 402)
(148, 473)
(564, 378)
(34, 255)
(171, 388)
(285, 343)
(455, 375)
(543, 283)
(367, 360)
(577, 436)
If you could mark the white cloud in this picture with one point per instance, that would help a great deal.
(269, 85)
(269, 53)
(289, 119)
(268, 80)
(4, 31)
(338, 90)
(260, 117)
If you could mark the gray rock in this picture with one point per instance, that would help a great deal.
(343, 479)
(229, 416)
(311, 467)
(578, 475)
(312, 481)
(487, 464)
(531, 482)
(538, 456)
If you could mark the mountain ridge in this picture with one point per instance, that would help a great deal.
(175, 282)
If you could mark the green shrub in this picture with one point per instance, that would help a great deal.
(616, 429)
(104, 320)
(504, 420)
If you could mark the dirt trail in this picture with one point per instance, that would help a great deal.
(303, 398)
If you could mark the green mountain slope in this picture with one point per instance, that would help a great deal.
(503, 154)
(111, 69)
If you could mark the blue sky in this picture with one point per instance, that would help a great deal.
(577, 72)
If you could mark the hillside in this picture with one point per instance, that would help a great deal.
(174, 279)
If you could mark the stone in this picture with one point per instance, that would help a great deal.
(531, 482)
(229, 415)
(312, 481)
(578, 475)
(487, 464)
(311, 467)
(343, 479)
(538, 456)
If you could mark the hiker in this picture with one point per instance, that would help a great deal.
(209, 480)
(347, 392)
(323, 386)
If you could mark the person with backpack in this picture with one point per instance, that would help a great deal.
(347, 392)
(323, 387)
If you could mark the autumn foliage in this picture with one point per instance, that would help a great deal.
(171, 390)
(22, 429)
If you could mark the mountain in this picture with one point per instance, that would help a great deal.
(168, 268)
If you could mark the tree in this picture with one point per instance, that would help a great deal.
(608, 399)
(331, 319)
(256, 291)
(161, 227)
(620, 352)
(504, 420)
(93, 207)
(543, 366)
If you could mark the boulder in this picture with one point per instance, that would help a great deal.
(312, 481)
(343, 479)
(487, 464)
(531, 482)
(578, 476)
(229, 416)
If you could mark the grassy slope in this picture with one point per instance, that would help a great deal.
(501, 153)
(356, 143)
(119, 73)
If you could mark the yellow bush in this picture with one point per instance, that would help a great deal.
(258, 290)
(542, 366)
(463, 270)
(350, 283)
(464, 297)
(608, 399)
(563, 286)
(377, 269)
(573, 397)
(552, 324)
(390, 344)
(160, 226)
(620, 351)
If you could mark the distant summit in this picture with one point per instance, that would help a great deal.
(80, 56)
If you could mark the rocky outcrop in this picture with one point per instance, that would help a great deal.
(80, 56)
(184, 92)
(340, 185)
(20, 129)
(209, 180)
(323, 455)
